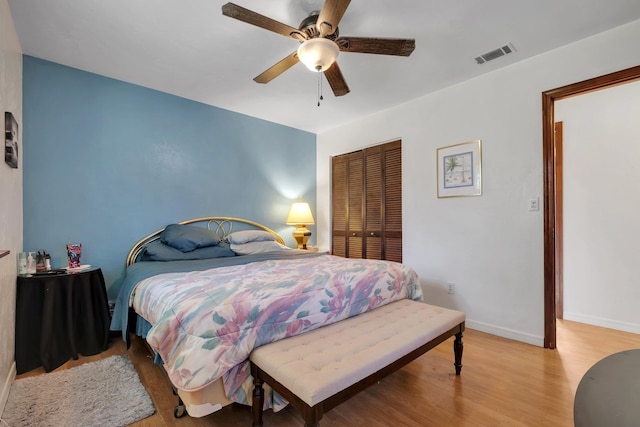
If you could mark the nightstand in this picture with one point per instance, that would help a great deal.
(58, 317)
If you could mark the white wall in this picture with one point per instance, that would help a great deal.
(490, 246)
(601, 135)
(10, 196)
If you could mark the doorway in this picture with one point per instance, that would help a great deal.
(552, 248)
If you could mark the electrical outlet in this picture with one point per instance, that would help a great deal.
(534, 204)
(451, 288)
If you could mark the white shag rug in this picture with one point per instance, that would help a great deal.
(103, 393)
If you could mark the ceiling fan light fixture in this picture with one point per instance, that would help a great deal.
(318, 54)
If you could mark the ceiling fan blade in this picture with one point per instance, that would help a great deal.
(330, 16)
(250, 17)
(398, 47)
(278, 69)
(336, 80)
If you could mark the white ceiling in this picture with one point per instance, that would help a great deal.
(188, 48)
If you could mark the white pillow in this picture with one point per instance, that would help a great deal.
(246, 236)
(257, 247)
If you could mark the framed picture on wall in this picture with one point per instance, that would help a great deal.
(459, 170)
(10, 140)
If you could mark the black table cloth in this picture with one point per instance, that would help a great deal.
(59, 317)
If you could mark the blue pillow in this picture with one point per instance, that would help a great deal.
(158, 251)
(187, 238)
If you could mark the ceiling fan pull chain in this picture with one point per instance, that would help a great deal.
(320, 98)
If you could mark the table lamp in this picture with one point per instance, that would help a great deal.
(300, 216)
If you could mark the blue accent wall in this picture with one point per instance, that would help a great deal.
(107, 162)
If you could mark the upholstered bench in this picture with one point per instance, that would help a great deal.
(320, 369)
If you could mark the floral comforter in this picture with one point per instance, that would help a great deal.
(206, 323)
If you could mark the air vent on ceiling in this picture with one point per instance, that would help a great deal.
(496, 53)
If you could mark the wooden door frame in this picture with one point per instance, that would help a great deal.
(548, 147)
(559, 222)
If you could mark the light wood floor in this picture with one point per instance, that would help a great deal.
(503, 383)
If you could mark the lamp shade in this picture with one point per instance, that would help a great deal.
(318, 54)
(300, 214)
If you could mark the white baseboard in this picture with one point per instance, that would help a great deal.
(505, 333)
(605, 323)
(4, 396)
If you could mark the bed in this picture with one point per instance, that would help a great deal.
(207, 291)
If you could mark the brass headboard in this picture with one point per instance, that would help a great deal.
(223, 227)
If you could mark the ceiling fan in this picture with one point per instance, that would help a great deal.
(320, 42)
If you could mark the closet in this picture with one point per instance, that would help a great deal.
(366, 203)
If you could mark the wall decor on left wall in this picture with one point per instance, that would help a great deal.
(10, 140)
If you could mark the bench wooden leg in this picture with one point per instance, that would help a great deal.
(258, 400)
(457, 350)
(311, 415)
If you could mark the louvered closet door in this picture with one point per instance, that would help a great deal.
(355, 220)
(393, 202)
(339, 200)
(374, 190)
(347, 198)
(347, 210)
(367, 203)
